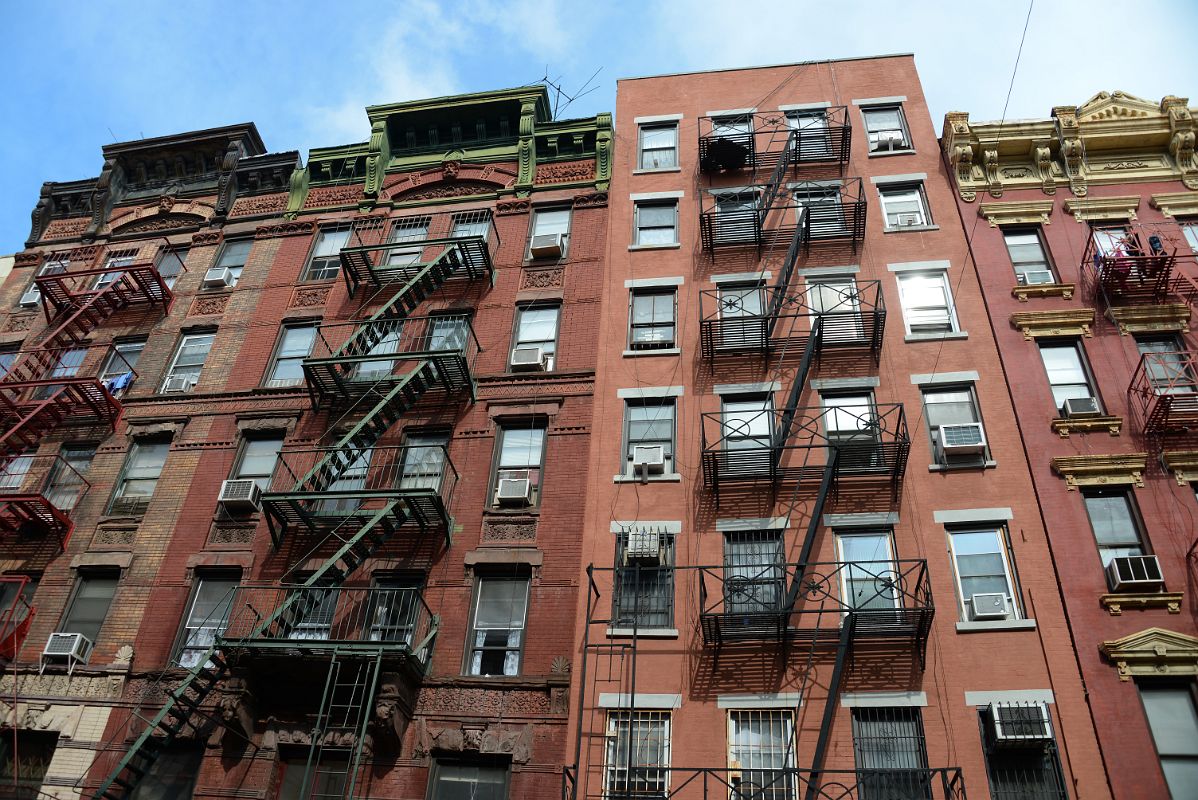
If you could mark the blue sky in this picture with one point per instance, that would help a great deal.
(81, 74)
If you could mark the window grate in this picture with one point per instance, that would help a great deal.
(761, 754)
(643, 595)
(638, 754)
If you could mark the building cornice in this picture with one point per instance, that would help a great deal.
(1016, 212)
(1058, 322)
(1124, 469)
(1176, 204)
(1154, 652)
(1121, 208)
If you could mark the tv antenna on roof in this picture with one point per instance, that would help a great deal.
(559, 94)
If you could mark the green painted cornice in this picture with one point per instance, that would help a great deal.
(526, 149)
(378, 153)
(297, 194)
(539, 95)
(603, 151)
(341, 164)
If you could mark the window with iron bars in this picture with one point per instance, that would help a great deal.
(891, 754)
(644, 587)
(761, 754)
(638, 754)
(1031, 771)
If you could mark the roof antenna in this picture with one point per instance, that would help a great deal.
(560, 94)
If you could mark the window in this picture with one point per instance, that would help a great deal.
(891, 754)
(65, 484)
(638, 754)
(754, 573)
(470, 224)
(904, 207)
(736, 218)
(521, 452)
(139, 477)
(644, 592)
(14, 472)
(205, 619)
(886, 128)
(867, 579)
(735, 125)
(55, 265)
(16, 604)
(656, 223)
(66, 366)
(329, 779)
(170, 264)
(1112, 240)
(1068, 376)
(815, 143)
(1173, 720)
(117, 262)
(258, 458)
(762, 744)
(927, 302)
(1022, 773)
(1028, 256)
(325, 262)
(424, 458)
(8, 357)
(550, 222)
(659, 146)
(173, 773)
(1166, 368)
(851, 425)
(189, 359)
(456, 780)
(1189, 229)
(651, 319)
(407, 229)
(747, 427)
(233, 255)
(837, 302)
(965, 444)
(24, 759)
(1115, 522)
(117, 374)
(649, 424)
(982, 563)
(536, 327)
(497, 635)
(89, 604)
(295, 344)
(394, 605)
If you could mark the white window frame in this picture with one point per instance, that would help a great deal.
(784, 787)
(637, 228)
(906, 146)
(183, 342)
(520, 626)
(902, 192)
(539, 216)
(905, 281)
(56, 264)
(235, 268)
(187, 655)
(1021, 268)
(614, 766)
(324, 258)
(1014, 606)
(262, 479)
(642, 151)
(548, 346)
(278, 357)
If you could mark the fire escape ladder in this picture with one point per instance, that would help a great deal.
(775, 183)
(345, 711)
(825, 729)
(779, 296)
(796, 390)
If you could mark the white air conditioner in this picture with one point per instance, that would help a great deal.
(32, 296)
(548, 245)
(643, 547)
(649, 458)
(513, 488)
(909, 219)
(179, 383)
(529, 359)
(1019, 724)
(886, 140)
(218, 278)
(241, 495)
(1131, 573)
(73, 648)
(961, 439)
(1075, 407)
(991, 605)
(1036, 277)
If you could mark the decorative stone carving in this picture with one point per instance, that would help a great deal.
(329, 196)
(441, 192)
(27, 258)
(297, 193)
(378, 151)
(1067, 425)
(509, 207)
(124, 655)
(961, 157)
(1034, 324)
(262, 204)
(65, 228)
(1151, 319)
(205, 305)
(1153, 652)
(1176, 204)
(1016, 212)
(205, 239)
(235, 708)
(560, 666)
(223, 533)
(565, 172)
(603, 151)
(509, 530)
(1119, 208)
(1072, 150)
(483, 738)
(299, 228)
(1183, 464)
(990, 168)
(542, 278)
(166, 222)
(1042, 160)
(19, 322)
(526, 148)
(1023, 291)
(1126, 469)
(31, 685)
(450, 169)
(486, 702)
(1115, 603)
(592, 200)
(311, 297)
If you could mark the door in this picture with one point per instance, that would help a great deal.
(852, 427)
(836, 303)
(742, 324)
(754, 572)
(868, 573)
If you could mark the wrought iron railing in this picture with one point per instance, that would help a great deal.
(16, 615)
(48, 478)
(761, 139)
(139, 281)
(1136, 265)
(769, 214)
(38, 370)
(1163, 393)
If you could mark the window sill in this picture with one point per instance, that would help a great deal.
(883, 153)
(988, 464)
(985, 626)
(642, 633)
(511, 511)
(658, 169)
(665, 351)
(665, 477)
(935, 337)
(912, 229)
(674, 246)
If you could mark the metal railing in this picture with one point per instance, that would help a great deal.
(1163, 393)
(770, 214)
(344, 481)
(16, 616)
(394, 619)
(138, 281)
(40, 369)
(763, 138)
(620, 782)
(1135, 265)
(50, 478)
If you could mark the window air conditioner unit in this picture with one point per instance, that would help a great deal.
(909, 219)
(1019, 724)
(548, 245)
(529, 359)
(514, 488)
(32, 296)
(240, 495)
(218, 278)
(179, 383)
(1132, 573)
(643, 547)
(1075, 407)
(649, 458)
(73, 648)
(1036, 277)
(961, 439)
(886, 140)
(992, 605)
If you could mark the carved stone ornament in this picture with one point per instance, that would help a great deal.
(328, 196)
(205, 305)
(1183, 464)
(506, 208)
(1117, 208)
(260, 205)
(205, 239)
(162, 222)
(1034, 324)
(542, 278)
(1024, 291)
(114, 536)
(509, 530)
(295, 228)
(1176, 204)
(235, 709)
(60, 684)
(19, 322)
(447, 190)
(1151, 319)
(1126, 469)
(226, 534)
(1115, 603)
(1067, 425)
(27, 258)
(1016, 212)
(65, 228)
(567, 172)
(311, 297)
(1153, 652)
(483, 738)
(592, 200)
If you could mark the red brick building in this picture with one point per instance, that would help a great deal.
(291, 499)
(818, 567)
(1084, 228)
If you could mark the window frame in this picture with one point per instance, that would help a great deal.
(633, 325)
(1135, 518)
(638, 229)
(950, 302)
(184, 338)
(612, 744)
(521, 308)
(481, 763)
(473, 629)
(886, 194)
(1189, 232)
(176, 254)
(235, 474)
(60, 261)
(236, 269)
(1079, 351)
(83, 576)
(317, 240)
(907, 146)
(1010, 574)
(966, 460)
(118, 492)
(661, 579)
(537, 483)
(107, 371)
(269, 381)
(626, 437)
(642, 151)
(1038, 233)
(782, 780)
(536, 216)
(1191, 688)
(183, 637)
